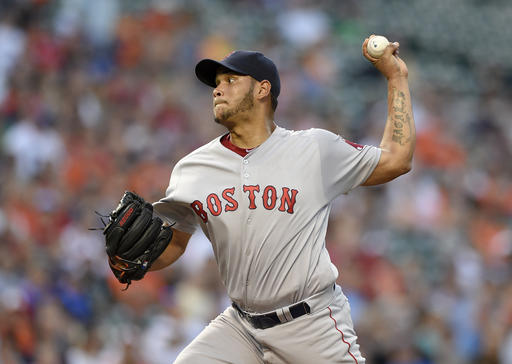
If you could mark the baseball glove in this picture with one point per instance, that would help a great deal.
(134, 238)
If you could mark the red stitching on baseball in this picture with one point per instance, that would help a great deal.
(342, 336)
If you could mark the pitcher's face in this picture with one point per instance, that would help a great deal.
(233, 97)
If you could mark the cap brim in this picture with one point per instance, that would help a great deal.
(206, 70)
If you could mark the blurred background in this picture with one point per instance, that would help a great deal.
(99, 96)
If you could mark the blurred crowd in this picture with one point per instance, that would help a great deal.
(99, 96)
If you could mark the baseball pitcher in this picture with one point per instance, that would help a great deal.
(262, 195)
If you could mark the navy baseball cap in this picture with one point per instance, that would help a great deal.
(249, 63)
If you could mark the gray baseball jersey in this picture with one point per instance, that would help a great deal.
(266, 213)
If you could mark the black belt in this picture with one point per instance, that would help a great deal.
(271, 319)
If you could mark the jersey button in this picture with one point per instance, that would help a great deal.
(246, 161)
(246, 175)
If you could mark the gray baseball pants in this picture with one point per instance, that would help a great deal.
(326, 335)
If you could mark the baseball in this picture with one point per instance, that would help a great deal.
(377, 45)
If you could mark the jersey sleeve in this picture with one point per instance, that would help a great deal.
(344, 165)
(173, 208)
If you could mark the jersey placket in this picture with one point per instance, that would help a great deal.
(246, 225)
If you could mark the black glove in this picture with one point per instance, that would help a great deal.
(134, 238)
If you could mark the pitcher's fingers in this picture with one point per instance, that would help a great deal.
(365, 44)
(391, 49)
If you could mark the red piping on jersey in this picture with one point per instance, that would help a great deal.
(342, 336)
(225, 140)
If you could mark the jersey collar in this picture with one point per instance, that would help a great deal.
(225, 140)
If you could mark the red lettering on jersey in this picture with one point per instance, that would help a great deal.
(288, 199)
(252, 196)
(197, 206)
(212, 200)
(269, 197)
(227, 195)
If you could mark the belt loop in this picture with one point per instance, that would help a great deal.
(287, 313)
(306, 307)
(281, 315)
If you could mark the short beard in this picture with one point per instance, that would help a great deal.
(246, 104)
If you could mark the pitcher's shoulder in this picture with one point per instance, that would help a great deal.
(205, 151)
(316, 134)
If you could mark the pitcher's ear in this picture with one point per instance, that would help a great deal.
(264, 89)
